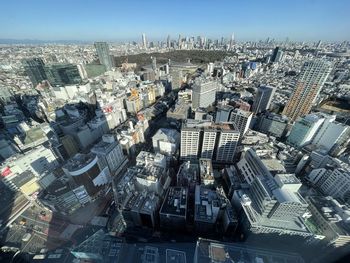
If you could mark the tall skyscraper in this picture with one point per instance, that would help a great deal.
(105, 58)
(168, 44)
(144, 41)
(232, 40)
(203, 93)
(263, 98)
(34, 68)
(311, 79)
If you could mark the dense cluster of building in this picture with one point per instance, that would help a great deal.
(241, 149)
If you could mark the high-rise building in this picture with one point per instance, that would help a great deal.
(208, 140)
(304, 130)
(232, 41)
(179, 42)
(263, 98)
(168, 42)
(203, 93)
(63, 74)
(34, 68)
(144, 41)
(311, 79)
(104, 56)
(277, 55)
(242, 120)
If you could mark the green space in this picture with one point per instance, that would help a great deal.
(196, 57)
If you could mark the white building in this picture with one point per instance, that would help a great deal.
(203, 93)
(190, 142)
(199, 138)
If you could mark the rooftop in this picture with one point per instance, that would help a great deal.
(175, 202)
(99, 246)
(206, 169)
(214, 251)
(168, 135)
(337, 215)
(79, 160)
(207, 205)
(175, 256)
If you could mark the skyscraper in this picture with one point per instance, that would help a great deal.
(105, 58)
(232, 41)
(311, 79)
(276, 55)
(34, 68)
(168, 44)
(263, 98)
(179, 42)
(144, 41)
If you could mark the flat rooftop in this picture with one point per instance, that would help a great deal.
(175, 256)
(99, 246)
(175, 202)
(214, 251)
(273, 165)
(206, 169)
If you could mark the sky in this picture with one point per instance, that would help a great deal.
(115, 20)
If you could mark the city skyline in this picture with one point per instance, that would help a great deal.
(218, 132)
(96, 21)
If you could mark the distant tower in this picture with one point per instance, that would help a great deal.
(313, 75)
(144, 41)
(168, 42)
(179, 42)
(277, 54)
(319, 44)
(154, 63)
(232, 41)
(105, 58)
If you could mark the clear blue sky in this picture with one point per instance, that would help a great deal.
(127, 19)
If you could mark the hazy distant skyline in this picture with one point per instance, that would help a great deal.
(93, 20)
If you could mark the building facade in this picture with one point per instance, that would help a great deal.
(311, 79)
